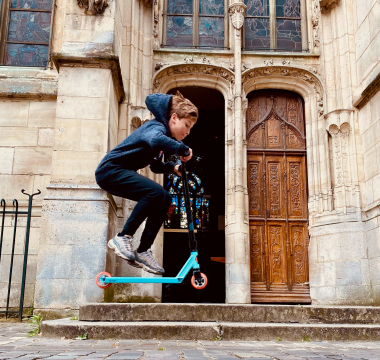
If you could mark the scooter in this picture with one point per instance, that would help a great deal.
(198, 280)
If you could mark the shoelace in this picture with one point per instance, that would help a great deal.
(128, 243)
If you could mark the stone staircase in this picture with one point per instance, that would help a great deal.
(219, 321)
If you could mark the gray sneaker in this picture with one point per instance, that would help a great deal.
(148, 262)
(122, 245)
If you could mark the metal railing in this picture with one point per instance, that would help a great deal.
(16, 213)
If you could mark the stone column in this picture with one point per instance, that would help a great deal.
(77, 216)
(237, 235)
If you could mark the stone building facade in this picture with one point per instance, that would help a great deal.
(105, 56)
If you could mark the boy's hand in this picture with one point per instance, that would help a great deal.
(187, 158)
(176, 170)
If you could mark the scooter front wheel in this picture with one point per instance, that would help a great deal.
(99, 282)
(199, 284)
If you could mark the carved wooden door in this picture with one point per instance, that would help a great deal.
(277, 184)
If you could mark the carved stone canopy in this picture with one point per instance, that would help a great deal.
(93, 7)
(192, 69)
(237, 11)
(327, 5)
(288, 71)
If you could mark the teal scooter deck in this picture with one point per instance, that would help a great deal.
(191, 263)
(198, 280)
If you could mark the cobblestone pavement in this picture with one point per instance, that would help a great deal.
(15, 344)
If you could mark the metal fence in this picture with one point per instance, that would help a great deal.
(16, 213)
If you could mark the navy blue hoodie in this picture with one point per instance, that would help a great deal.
(144, 145)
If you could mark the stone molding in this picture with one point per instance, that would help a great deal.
(101, 61)
(237, 12)
(368, 93)
(93, 7)
(43, 88)
(288, 71)
(190, 69)
(327, 5)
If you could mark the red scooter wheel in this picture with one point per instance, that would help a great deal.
(199, 284)
(99, 282)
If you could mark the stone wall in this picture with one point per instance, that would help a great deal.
(26, 147)
(368, 67)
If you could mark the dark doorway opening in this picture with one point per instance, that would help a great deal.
(207, 141)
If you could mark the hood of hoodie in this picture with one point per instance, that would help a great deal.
(158, 105)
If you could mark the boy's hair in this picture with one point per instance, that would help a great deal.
(183, 107)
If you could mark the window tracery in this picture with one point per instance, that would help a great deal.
(195, 23)
(274, 25)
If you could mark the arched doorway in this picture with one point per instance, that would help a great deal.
(207, 192)
(277, 185)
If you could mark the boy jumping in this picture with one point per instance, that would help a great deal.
(116, 174)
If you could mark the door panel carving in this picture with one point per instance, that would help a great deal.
(277, 197)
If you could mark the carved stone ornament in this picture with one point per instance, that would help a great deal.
(340, 148)
(205, 60)
(268, 62)
(189, 69)
(135, 123)
(93, 7)
(155, 18)
(237, 12)
(286, 63)
(297, 73)
(158, 66)
(189, 60)
(315, 22)
(327, 5)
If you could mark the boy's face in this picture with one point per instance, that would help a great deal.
(180, 128)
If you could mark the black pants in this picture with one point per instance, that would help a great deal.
(153, 202)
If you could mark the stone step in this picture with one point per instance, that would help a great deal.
(209, 331)
(230, 313)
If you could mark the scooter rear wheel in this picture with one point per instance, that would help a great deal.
(99, 282)
(199, 284)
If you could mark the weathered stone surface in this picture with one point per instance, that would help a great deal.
(230, 313)
(297, 332)
(42, 114)
(6, 162)
(18, 136)
(123, 330)
(32, 160)
(209, 331)
(14, 113)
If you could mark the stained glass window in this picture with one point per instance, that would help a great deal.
(28, 34)
(283, 16)
(199, 203)
(257, 25)
(288, 24)
(188, 26)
